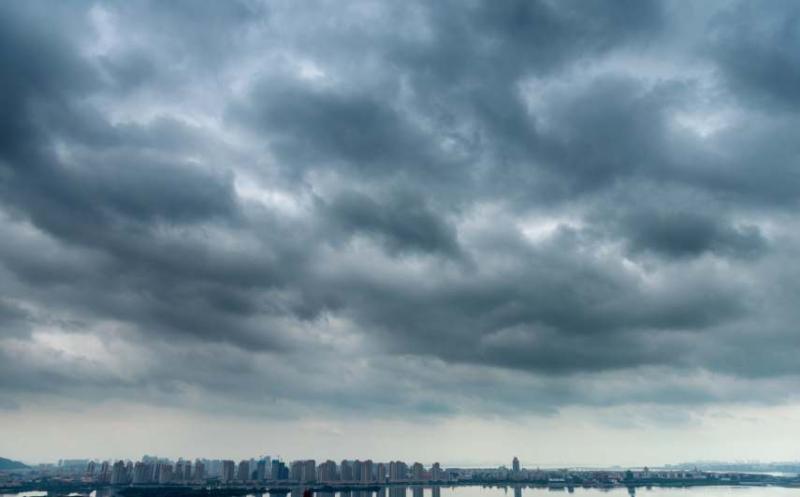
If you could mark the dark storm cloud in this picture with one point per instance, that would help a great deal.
(555, 193)
(116, 169)
(345, 130)
(402, 221)
(685, 234)
(552, 311)
(756, 49)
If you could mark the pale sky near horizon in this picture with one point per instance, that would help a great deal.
(453, 230)
(571, 438)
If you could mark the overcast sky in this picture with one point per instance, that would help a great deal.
(449, 230)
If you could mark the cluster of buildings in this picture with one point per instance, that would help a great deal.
(162, 471)
(146, 471)
(75, 475)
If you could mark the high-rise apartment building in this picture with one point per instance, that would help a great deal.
(398, 471)
(327, 472)
(417, 472)
(366, 471)
(142, 473)
(243, 473)
(118, 474)
(165, 474)
(213, 468)
(346, 471)
(105, 472)
(199, 471)
(278, 471)
(261, 470)
(296, 471)
(436, 472)
(309, 471)
(179, 471)
(228, 470)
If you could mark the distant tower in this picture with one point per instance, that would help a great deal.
(515, 465)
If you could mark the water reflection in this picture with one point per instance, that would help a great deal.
(532, 491)
(517, 490)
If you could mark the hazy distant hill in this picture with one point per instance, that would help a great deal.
(9, 464)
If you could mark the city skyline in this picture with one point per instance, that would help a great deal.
(556, 229)
(264, 467)
(151, 469)
(158, 477)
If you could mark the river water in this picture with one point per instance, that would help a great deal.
(478, 491)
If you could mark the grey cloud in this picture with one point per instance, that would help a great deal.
(755, 50)
(609, 129)
(402, 221)
(309, 127)
(495, 191)
(14, 320)
(104, 180)
(685, 234)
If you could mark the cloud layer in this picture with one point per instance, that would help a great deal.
(413, 209)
